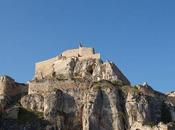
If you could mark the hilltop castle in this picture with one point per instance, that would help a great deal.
(82, 62)
(47, 67)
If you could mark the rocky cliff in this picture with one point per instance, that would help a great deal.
(79, 92)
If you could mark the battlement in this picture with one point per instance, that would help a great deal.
(81, 53)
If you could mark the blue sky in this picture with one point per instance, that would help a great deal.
(138, 35)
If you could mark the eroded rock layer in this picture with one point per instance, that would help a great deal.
(102, 105)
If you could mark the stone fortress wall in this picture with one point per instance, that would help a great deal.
(79, 63)
(44, 68)
(10, 88)
(81, 53)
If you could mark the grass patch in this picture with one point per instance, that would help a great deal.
(102, 84)
(117, 83)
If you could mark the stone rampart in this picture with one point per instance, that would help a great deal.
(83, 51)
(80, 52)
(9, 87)
(94, 56)
(43, 87)
(44, 68)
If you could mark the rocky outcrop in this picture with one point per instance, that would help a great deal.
(83, 105)
(137, 107)
(102, 108)
(96, 70)
(62, 117)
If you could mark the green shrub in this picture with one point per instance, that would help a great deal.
(27, 115)
(117, 83)
(165, 113)
(135, 89)
(151, 124)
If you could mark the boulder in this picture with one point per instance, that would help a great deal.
(33, 101)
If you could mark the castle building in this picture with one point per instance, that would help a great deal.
(45, 68)
(82, 62)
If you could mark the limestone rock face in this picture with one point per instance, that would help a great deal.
(59, 109)
(137, 108)
(85, 68)
(145, 107)
(102, 109)
(102, 105)
(112, 73)
(96, 70)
